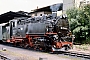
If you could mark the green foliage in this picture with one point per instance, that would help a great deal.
(79, 21)
(87, 41)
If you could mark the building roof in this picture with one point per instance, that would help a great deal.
(9, 16)
(47, 8)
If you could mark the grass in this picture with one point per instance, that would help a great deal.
(83, 47)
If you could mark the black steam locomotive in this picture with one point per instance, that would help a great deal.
(49, 33)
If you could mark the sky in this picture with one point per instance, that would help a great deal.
(24, 5)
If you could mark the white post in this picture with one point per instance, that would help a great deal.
(43, 58)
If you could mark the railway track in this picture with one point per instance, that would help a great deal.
(86, 56)
(68, 53)
(77, 54)
(3, 57)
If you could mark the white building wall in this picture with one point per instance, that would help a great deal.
(59, 13)
(0, 32)
(39, 13)
(84, 2)
(77, 3)
(67, 4)
(32, 15)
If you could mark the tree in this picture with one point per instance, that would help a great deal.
(79, 21)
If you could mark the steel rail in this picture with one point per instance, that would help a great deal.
(76, 54)
(4, 57)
